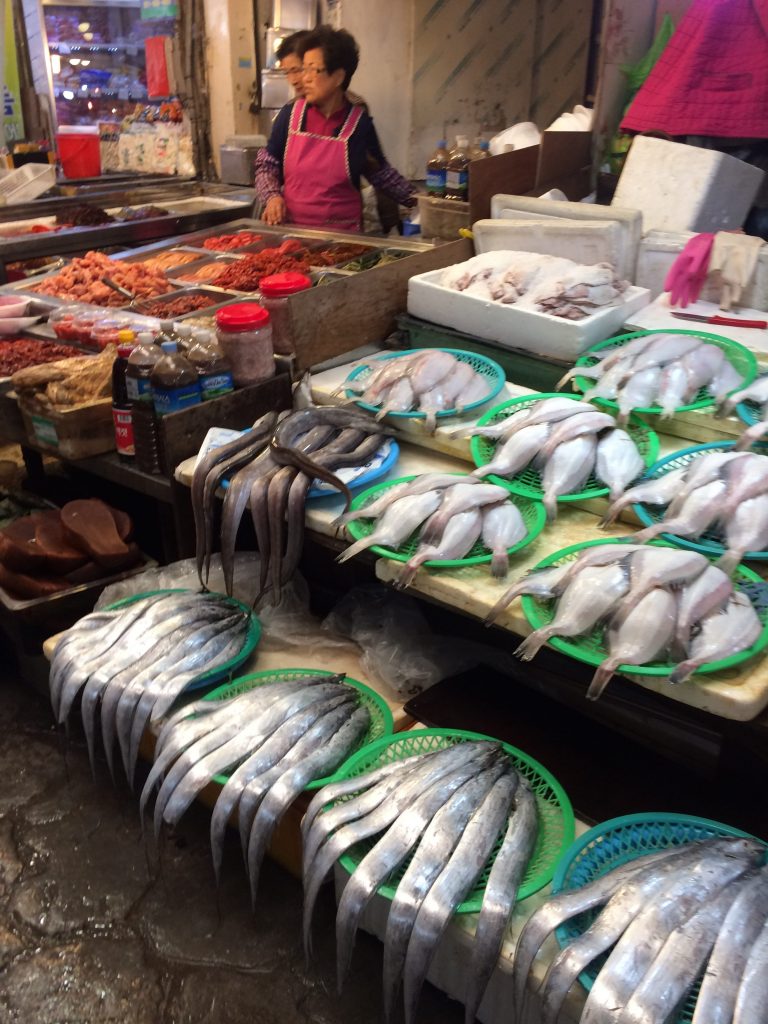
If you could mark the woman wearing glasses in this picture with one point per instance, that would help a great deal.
(322, 144)
(289, 57)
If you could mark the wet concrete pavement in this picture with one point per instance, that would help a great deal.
(94, 931)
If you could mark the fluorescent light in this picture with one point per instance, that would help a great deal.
(68, 94)
(84, 63)
(83, 26)
(74, 61)
(55, 63)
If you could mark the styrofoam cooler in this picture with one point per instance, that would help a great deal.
(79, 151)
(525, 330)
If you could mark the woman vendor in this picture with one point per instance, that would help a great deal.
(322, 144)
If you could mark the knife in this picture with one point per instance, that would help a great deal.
(722, 321)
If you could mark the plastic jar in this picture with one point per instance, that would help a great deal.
(275, 290)
(244, 332)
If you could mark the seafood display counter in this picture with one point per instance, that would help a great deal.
(36, 233)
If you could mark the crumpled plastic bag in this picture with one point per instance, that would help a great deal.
(183, 575)
(399, 649)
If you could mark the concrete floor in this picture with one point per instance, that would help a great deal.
(93, 930)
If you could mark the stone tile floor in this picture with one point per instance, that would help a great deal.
(93, 930)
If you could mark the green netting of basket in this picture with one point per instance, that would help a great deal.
(527, 483)
(532, 512)
(223, 671)
(592, 648)
(382, 723)
(556, 820)
(482, 365)
(612, 843)
(711, 541)
(742, 360)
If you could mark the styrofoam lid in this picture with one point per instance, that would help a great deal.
(78, 129)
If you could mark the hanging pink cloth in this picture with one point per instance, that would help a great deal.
(317, 186)
(712, 78)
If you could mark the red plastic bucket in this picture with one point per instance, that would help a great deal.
(79, 155)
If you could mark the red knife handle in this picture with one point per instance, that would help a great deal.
(727, 321)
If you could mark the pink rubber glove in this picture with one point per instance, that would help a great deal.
(688, 273)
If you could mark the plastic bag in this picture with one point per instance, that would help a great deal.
(183, 575)
(399, 649)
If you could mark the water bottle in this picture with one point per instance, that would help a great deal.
(213, 368)
(175, 386)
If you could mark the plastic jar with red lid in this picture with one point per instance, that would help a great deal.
(244, 331)
(274, 291)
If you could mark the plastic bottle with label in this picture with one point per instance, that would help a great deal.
(175, 386)
(121, 404)
(436, 171)
(213, 368)
(146, 437)
(183, 335)
(456, 174)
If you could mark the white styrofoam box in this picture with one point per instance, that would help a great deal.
(658, 251)
(525, 330)
(657, 316)
(686, 188)
(583, 241)
(526, 207)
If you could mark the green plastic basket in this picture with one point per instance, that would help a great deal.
(214, 675)
(592, 648)
(482, 365)
(556, 821)
(740, 358)
(527, 483)
(711, 541)
(382, 723)
(532, 512)
(612, 843)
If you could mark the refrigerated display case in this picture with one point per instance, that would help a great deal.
(97, 58)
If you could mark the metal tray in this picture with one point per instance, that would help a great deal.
(144, 256)
(173, 274)
(218, 297)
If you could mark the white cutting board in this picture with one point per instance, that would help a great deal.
(657, 316)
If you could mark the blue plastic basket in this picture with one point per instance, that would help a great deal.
(615, 842)
(487, 368)
(710, 543)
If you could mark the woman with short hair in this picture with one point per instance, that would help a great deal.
(322, 144)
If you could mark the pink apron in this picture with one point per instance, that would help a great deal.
(317, 186)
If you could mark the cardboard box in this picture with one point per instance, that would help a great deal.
(75, 433)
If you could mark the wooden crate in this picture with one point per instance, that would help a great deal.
(182, 433)
(363, 307)
(75, 433)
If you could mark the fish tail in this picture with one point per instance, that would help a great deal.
(611, 514)
(500, 564)
(406, 577)
(730, 560)
(683, 671)
(382, 413)
(533, 643)
(650, 532)
(506, 599)
(566, 377)
(603, 675)
(550, 506)
(430, 421)
(355, 549)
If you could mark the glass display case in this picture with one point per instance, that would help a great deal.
(97, 58)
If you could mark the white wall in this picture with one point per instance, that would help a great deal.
(231, 69)
(384, 32)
